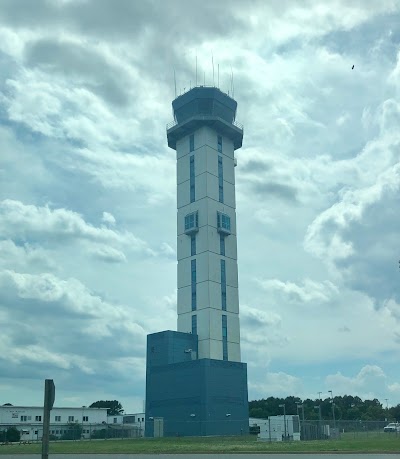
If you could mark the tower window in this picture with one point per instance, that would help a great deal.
(192, 180)
(191, 222)
(223, 285)
(222, 244)
(191, 142)
(224, 337)
(220, 180)
(220, 144)
(192, 245)
(194, 324)
(223, 223)
(193, 279)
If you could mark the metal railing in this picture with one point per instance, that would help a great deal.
(205, 118)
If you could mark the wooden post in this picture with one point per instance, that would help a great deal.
(49, 396)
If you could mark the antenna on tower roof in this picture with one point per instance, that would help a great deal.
(231, 81)
(175, 82)
(196, 69)
(212, 60)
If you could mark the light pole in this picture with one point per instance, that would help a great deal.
(333, 409)
(284, 417)
(387, 409)
(318, 407)
(300, 405)
(83, 417)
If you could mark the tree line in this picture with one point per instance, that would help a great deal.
(345, 407)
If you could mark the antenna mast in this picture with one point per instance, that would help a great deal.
(175, 82)
(196, 70)
(231, 81)
(212, 60)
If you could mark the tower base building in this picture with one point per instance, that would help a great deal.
(186, 396)
(196, 383)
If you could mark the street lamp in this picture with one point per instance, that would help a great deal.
(333, 409)
(284, 416)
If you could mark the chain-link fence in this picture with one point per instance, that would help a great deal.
(308, 430)
(319, 430)
(27, 433)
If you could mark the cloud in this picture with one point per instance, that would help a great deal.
(73, 321)
(107, 254)
(87, 194)
(309, 292)
(77, 60)
(108, 218)
(285, 192)
(280, 384)
(370, 380)
(24, 256)
(30, 222)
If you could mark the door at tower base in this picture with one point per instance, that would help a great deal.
(196, 397)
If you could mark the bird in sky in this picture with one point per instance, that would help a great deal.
(352, 67)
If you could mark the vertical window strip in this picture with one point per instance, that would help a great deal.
(194, 324)
(220, 180)
(193, 245)
(220, 144)
(192, 180)
(223, 285)
(222, 244)
(191, 142)
(193, 279)
(224, 337)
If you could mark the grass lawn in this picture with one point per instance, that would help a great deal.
(379, 444)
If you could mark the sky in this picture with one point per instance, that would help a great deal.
(88, 191)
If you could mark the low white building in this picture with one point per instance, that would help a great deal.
(277, 428)
(29, 420)
(136, 420)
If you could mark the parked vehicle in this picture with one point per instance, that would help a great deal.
(392, 427)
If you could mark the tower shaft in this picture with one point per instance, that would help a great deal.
(208, 303)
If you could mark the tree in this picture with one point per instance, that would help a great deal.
(73, 432)
(114, 407)
(346, 407)
(8, 404)
(11, 434)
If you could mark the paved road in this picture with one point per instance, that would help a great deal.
(203, 456)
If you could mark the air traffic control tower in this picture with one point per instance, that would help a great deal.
(195, 381)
